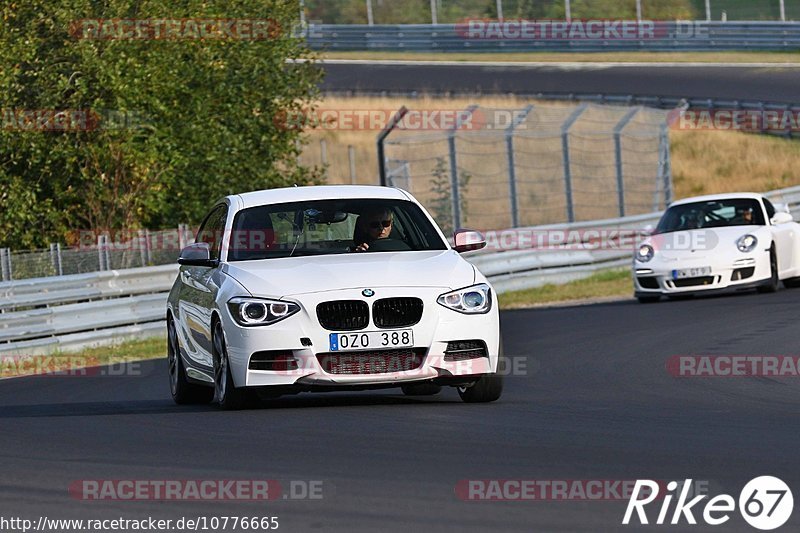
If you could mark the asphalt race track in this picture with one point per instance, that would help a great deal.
(596, 404)
(772, 83)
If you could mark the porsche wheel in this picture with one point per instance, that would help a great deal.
(772, 284)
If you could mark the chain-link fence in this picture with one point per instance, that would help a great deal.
(454, 11)
(97, 252)
(545, 163)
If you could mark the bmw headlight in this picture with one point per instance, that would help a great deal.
(747, 243)
(473, 300)
(645, 253)
(260, 311)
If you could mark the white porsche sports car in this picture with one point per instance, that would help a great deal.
(329, 288)
(717, 243)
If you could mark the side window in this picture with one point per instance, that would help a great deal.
(770, 209)
(212, 229)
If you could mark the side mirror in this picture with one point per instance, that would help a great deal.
(648, 230)
(782, 218)
(197, 254)
(467, 240)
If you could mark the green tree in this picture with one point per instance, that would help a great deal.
(201, 117)
(441, 203)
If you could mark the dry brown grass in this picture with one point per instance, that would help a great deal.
(703, 162)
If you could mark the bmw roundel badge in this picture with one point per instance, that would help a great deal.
(368, 292)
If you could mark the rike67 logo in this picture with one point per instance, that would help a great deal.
(765, 503)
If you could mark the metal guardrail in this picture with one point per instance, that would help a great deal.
(71, 312)
(66, 313)
(668, 36)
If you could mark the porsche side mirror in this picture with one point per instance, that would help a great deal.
(782, 218)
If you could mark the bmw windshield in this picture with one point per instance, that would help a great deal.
(325, 227)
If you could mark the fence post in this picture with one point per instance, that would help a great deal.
(783, 11)
(566, 159)
(102, 253)
(512, 171)
(499, 10)
(665, 165)
(5, 266)
(708, 10)
(382, 137)
(351, 156)
(55, 258)
(567, 11)
(618, 157)
(638, 10)
(454, 189)
(142, 245)
(434, 17)
(454, 184)
(148, 249)
(183, 229)
(323, 151)
(370, 20)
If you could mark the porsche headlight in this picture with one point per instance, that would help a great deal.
(260, 311)
(473, 300)
(747, 243)
(645, 253)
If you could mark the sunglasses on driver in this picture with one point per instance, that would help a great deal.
(376, 224)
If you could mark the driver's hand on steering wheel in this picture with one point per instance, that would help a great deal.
(363, 247)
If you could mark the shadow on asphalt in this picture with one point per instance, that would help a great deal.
(140, 407)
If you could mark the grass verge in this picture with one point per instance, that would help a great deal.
(577, 57)
(606, 284)
(68, 363)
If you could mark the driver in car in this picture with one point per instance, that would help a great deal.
(372, 226)
(744, 216)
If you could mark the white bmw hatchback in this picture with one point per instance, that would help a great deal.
(329, 288)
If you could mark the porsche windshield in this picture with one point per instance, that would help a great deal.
(712, 214)
(331, 227)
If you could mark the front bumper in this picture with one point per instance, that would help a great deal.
(731, 275)
(437, 327)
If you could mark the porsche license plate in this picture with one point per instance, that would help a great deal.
(371, 340)
(691, 272)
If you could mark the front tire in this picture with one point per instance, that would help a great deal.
(183, 392)
(772, 284)
(488, 388)
(226, 393)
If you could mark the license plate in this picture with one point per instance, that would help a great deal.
(691, 272)
(371, 340)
